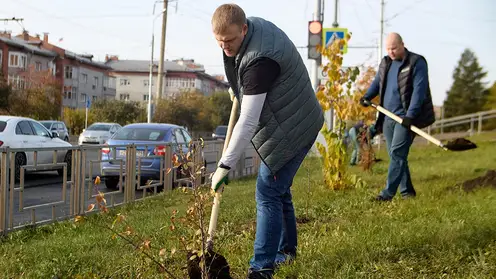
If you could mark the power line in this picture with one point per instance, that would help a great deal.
(406, 9)
(106, 16)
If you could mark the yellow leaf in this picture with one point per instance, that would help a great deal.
(146, 244)
(162, 252)
(90, 207)
(97, 180)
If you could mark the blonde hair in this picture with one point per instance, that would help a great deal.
(226, 15)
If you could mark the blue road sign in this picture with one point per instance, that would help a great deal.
(88, 103)
(329, 34)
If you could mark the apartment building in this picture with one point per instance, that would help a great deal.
(85, 79)
(82, 78)
(132, 78)
(16, 56)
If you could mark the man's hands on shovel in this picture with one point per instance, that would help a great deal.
(405, 122)
(220, 177)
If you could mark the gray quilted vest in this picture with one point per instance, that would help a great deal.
(291, 116)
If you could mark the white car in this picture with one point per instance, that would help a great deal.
(23, 132)
(98, 133)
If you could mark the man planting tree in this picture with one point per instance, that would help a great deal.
(280, 115)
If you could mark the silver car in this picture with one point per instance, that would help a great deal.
(57, 126)
(98, 133)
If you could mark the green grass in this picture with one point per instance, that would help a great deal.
(441, 233)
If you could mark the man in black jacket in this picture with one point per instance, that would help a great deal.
(402, 83)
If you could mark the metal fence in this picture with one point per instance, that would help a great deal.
(473, 119)
(78, 166)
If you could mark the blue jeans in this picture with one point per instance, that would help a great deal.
(355, 154)
(276, 237)
(398, 141)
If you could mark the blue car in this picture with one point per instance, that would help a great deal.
(142, 134)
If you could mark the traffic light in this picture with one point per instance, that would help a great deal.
(314, 39)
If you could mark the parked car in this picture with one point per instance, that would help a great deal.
(22, 132)
(98, 133)
(142, 134)
(220, 133)
(57, 126)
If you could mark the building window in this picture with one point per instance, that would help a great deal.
(84, 78)
(38, 66)
(145, 97)
(51, 65)
(180, 82)
(94, 98)
(83, 98)
(68, 72)
(124, 97)
(124, 81)
(74, 92)
(68, 95)
(17, 82)
(112, 82)
(95, 82)
(17, 60)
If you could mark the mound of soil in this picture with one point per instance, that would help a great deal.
(488, 180)
(460, 144)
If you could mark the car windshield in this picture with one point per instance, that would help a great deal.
(99, 127)
(47, 124)
(221, 130)
(3, 124)
(140, 134)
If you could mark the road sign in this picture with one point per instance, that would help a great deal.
(330, 34)
(88, 103)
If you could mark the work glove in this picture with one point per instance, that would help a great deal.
(406, 122)
(231, 94)
(219, 177)
(364, 102)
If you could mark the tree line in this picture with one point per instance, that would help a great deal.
(39, 96)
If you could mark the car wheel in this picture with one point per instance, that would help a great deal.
(68, 161)
(112, 182)
(20, 160)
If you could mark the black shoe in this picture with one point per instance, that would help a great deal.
(258, 275)
(380, 198)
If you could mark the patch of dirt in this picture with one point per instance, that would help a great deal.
(460, 144)
(303, 220)
(488, 180)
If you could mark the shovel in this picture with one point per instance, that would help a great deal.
(459, 144)
(217, 264)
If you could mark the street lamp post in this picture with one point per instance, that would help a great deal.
(150, 79)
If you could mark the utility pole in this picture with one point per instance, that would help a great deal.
(315, 67)
(162, 53)
(379, 55)
(379, 59)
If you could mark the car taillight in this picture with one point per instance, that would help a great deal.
(1, 143)
(105, 150)
(159, 151)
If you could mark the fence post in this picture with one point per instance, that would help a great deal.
(3, 192)
(471, 126)
(479, 126)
